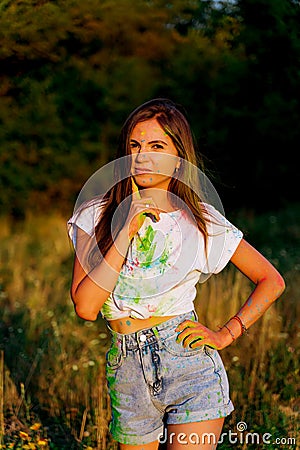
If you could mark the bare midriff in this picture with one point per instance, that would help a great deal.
(128, 325)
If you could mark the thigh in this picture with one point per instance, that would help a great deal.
(195, 435)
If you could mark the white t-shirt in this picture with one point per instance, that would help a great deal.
(165, 261)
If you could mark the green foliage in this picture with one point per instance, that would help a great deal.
(54, 363)
(274, 234)
(71, 71)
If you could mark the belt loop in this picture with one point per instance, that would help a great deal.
(156, 333)
(124, 353)
(196, 315)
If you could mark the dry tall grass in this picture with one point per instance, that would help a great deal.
(53, 368)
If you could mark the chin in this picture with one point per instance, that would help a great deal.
(143, 179)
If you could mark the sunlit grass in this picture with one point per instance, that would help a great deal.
(53, 379)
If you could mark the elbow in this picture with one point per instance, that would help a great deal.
(82, 309)
(278, 285)
(85, 313)
(275, 285)
(281, 285)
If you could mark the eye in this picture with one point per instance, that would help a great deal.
(157, 146)
(134, 145)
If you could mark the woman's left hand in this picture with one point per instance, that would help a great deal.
(194, 335)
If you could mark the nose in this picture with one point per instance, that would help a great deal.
(141, 155)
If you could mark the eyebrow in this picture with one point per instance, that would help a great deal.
(151, 142)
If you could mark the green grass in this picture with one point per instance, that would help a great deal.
(53, 368)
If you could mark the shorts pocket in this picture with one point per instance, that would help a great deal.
(215, 358)
(176, 348)
(114, 357)
(220, 371)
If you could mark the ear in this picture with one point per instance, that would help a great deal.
(178, 164)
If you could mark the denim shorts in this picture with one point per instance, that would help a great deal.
(154, 381)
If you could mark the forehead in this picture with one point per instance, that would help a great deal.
(148, 128)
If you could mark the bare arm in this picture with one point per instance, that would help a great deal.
(269, 283)
(269, 286)
(90, 289)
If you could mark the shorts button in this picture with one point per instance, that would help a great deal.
(143, 338)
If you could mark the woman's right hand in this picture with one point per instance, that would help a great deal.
(139, 209)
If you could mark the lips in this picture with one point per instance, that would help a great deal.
(141, 170)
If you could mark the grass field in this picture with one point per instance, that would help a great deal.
(52, 381)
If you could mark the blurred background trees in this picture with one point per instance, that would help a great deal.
(71, 71)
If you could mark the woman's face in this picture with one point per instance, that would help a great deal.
(154, 156)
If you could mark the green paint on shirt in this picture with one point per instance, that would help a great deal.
(147, 247)
(146, 240)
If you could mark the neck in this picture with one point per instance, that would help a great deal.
(160, 197)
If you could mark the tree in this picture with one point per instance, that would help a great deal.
(71, 72)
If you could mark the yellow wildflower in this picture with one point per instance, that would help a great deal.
(43, 442)
(23, 435)
(36, 426)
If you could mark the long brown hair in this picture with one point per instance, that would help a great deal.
(175, 124)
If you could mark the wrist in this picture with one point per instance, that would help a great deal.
(225, 337)
(230, 331)
(241, 324)
(122, 242)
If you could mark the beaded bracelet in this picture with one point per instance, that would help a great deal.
(242, 325)
(230, 332)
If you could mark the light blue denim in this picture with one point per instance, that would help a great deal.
(154, 381)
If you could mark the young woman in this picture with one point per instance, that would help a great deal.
(140, 251)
